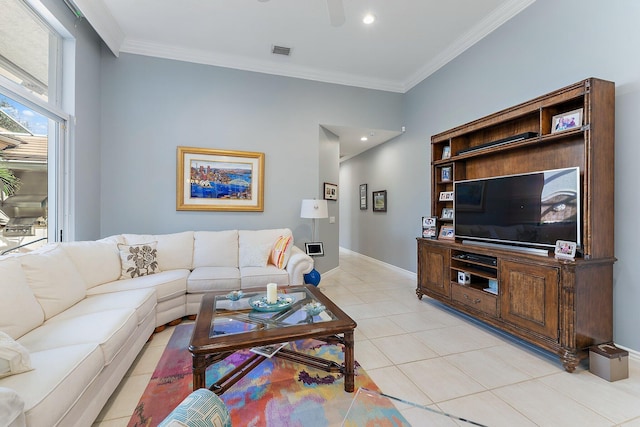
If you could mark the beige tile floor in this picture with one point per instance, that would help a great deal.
(422, 352)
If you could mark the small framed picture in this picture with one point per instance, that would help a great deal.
(565, 250)
(445, 174)
(446, 232)
(447, 213)
(446, 196)
(363, 197)
(566, 121)
(428, 221)
(314, 248)
(330, 191)
(446, 152)
(380, 201)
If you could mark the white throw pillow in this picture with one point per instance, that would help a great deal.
(255, 255)
(138, 260)
(14, 358)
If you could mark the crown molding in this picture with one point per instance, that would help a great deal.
(282, 68)
(494, 20)
(102, 22)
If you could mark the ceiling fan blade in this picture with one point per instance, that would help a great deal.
(336, 12)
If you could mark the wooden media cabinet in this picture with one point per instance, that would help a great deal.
(564, 306)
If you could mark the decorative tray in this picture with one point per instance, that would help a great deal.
(259, 302)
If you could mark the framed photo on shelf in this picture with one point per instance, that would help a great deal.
(380, 201)
(446, 196)
(429, 227)
(446, 232)
(447, 213)
(429, 233)
(565, 250)
(428, 221)
(363, 197)
(314, 248)
(565, 121)
(203, 183)
(445, 174)
(446, 152)
(330, 191)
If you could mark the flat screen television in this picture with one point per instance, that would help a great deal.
(532, 209)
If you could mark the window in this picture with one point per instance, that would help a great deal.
(32, 129)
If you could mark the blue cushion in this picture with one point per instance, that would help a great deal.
(202, 408)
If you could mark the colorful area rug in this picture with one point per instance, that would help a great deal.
(276, 393)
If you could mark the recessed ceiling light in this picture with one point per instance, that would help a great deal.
(364, 138)
(369, 18)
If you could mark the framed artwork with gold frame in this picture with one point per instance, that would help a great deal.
(219, 180)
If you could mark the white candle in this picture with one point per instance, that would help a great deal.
(272, 293)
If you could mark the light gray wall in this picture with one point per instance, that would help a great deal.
(81, 99)
(549, 45)
(329, 172)
(150, 106)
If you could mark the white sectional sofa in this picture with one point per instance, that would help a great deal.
(79, 320)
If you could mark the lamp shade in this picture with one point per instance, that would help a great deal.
(313, 208)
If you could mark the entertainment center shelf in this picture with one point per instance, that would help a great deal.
(564, 306)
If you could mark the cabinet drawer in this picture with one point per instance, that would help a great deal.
(475, 298)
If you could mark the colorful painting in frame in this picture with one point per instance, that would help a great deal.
(219, 180)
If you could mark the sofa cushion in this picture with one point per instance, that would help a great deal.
(207, 279)
(97, 262)
(215, 249)
(253, 277)
(138, 260)
(110, 329)
(142, 301)
(53, 278)
(20, 312)
(281, 251)
(175, 251)
(14, 358)
(59, 376)
(168, 284)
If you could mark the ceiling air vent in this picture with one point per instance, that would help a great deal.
(281, 50)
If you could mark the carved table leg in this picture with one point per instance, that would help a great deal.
(349, 362)
(198, 369)
(419, 293)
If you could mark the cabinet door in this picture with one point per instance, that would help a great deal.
(530, 295)
(433, 269)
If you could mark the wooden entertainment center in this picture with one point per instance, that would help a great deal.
(564, 306)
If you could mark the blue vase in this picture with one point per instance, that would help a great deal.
(312, 278)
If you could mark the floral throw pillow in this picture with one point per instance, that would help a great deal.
(138, 260)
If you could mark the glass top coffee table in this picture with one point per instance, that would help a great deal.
(229, 322)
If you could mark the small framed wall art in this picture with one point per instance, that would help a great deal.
(363, 197)
(380, 201)
(330, 191)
